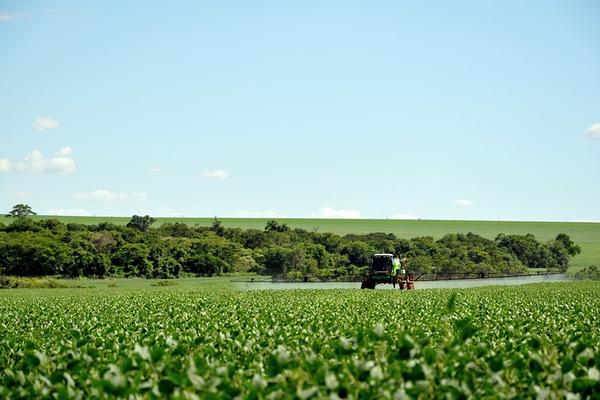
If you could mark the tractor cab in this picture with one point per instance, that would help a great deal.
(382, 264)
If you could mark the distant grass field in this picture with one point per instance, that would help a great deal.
(587, 235)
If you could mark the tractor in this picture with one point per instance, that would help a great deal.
(380, 271)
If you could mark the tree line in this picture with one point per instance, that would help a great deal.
(50, 247)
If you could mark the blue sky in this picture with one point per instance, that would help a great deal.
(450, 110)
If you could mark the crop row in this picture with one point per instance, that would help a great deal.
(537, 340)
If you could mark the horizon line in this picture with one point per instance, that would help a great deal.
(326, 219)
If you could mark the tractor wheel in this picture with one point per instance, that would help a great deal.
(367, 285)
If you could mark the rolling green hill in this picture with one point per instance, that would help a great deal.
(587, 235)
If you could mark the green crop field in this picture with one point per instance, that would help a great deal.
(194, 343)
(587, 235)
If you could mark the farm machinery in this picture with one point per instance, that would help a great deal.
(382, 271)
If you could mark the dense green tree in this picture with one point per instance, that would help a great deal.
(527, 249)
(217, 227)
(104, 241)
(106, 226)
(133, 260)
(177, 229)
(73, 227)
(330, 241)
(402, 247)
(563, 248)
(23, 225)
(278, 260)
(52, 224)
(21, 211)
(274, 226)
(570, 246)
(247, 263)
(167, 267)
(253, 238)
(421, 264)
(380, 242)
(86, 263)
(49, 247)
(358, 253)
(205, 265)
(424, 246)
(31, 254)
(141, 223)
(218, 247)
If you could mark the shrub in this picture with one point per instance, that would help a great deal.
(164, 283)
(8, 282)
(589, 273)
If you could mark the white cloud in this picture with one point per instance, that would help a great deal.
(463, 203)
(5, 17)
(593, 132)
(19, 196)
(169, 212)
(64, 152)
(35, 162)
(43, 123)
(258, 214)
(107, 196)
(403, 216)
(328, 212)
(5, 165)
(215, 174)
(155, 169)
(76, 212)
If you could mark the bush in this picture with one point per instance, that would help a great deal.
(8, 282)
(164, 283)
(589, 273)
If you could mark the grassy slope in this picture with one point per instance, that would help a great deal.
(587, 235)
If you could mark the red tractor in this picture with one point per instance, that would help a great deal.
(381, 271)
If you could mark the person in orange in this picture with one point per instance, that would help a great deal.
(410, 284)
